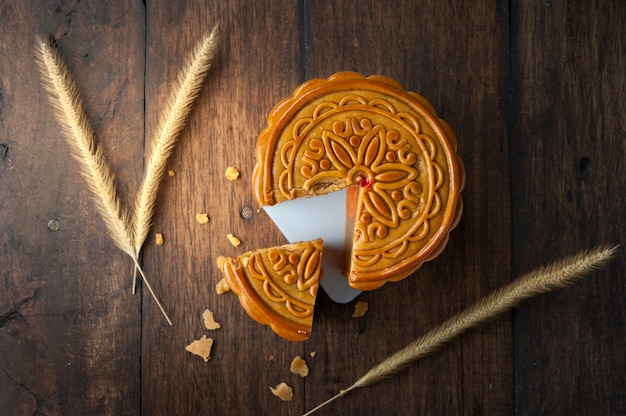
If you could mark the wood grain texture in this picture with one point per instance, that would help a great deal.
(69, 328)
(568, 172)
(222, 132)
(534, 93)
(417, 43)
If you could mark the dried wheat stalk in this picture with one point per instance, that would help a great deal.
(542, 280)
(178, 107)
(69, 110)
(80, 136)
(127, 234)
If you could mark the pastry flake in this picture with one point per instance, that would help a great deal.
(233, 240)
(360, 309)
(202, 218)
(209, 320)
(283, 391)
(299, 366)
(232, 173)
(222, 287)
(201, 347)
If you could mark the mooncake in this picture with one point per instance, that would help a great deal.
(388, 147)
(278, 286)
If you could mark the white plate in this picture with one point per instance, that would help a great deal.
(322, 217)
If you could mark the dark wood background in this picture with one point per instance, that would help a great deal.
(536, 93)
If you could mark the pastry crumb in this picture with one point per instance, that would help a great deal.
(202, 218)
(282, 391)
(313, 354)
(232, 173)
(209, 320)
(233, 240)
(171, 172)
(269, 357)
(222, 287)
(158, 239)
(360, 309)
(298, 366)
(201, 347)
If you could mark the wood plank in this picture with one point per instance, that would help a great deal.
(69, 327)
(454, 55)
(568, 176)
(257, 63)
(73, 340)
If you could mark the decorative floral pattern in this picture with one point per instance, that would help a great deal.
(299, 270)
(394, 160)
(388, 147)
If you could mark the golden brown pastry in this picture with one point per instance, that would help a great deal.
(278, 286)
(388, 147)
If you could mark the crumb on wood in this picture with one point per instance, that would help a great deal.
(158, 239)
(232, 173)
(234, 240)
(202, 218)
(298, 366)
(201, 347)
(222, 287)
(269, 357)
(209, 320)
(282, 391)
(360, 309)
(171, 172)
(313, 354)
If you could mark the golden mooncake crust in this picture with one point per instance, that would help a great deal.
(371, 134)
(278, 286)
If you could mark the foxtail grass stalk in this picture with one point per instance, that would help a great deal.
(69, 111)
(172, 122)
(545, 279)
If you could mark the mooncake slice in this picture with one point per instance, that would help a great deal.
(277, 286)
(387, 146)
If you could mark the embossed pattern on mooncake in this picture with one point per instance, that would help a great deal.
(350, 130)
(277, 286)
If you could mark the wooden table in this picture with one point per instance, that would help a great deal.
(536, 93)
